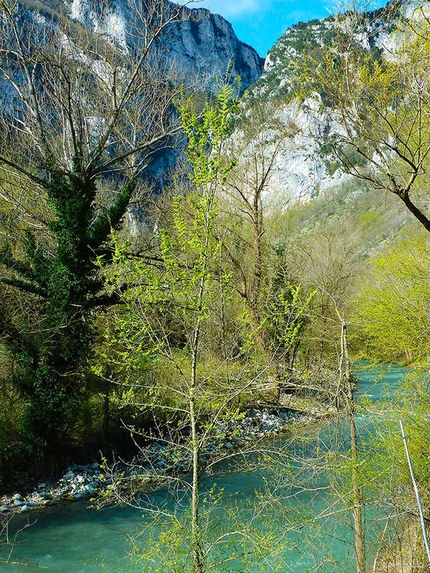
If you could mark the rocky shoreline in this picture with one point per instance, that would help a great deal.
(158, 459)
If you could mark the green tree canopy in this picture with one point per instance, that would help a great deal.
(393, 310)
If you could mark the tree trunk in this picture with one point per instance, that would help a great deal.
(196, 542)
(195, 525)
(357, 494)
(416, 212)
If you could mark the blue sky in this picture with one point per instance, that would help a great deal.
(260, 23)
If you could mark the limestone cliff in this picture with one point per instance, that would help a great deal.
(303, 167)
(202, 45)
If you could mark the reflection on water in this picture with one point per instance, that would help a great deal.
(74, 539)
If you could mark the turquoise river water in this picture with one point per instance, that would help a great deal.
(75, 539)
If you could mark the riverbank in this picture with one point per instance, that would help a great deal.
(156, 460)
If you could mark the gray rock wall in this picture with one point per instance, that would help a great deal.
(203, 45)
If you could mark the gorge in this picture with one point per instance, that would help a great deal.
(192, 248)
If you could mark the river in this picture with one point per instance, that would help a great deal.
(74, 539)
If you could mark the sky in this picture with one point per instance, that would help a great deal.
(260, 23)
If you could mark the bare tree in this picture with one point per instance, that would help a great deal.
(256, 146)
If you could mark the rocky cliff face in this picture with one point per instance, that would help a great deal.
(206, 43)
(303, 168)
(199, 46)
(203, 45)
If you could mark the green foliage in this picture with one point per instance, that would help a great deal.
(388, 486)
(409, 404)
(380, 104)
(52, 347)
(287, 318)
(393, 308)
(68, 176)
(185, 383)
(154, 338)
(206, 132)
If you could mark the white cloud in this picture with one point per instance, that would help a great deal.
(228, 8)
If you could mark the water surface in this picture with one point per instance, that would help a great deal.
(74, 539)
